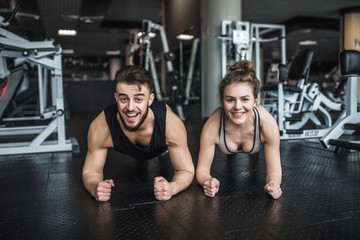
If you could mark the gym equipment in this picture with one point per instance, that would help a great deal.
(235, 43)
(295, 105)
(241, 41)
(190, 73)
(9, 87)
(46, 56)
(173, 77)
(259, 31)
(292, 106)
(334, 84)
(137, 45)
(350, 117)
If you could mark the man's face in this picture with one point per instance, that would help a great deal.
(133, 104)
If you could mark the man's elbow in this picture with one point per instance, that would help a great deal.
(187, 173)
(190, 173)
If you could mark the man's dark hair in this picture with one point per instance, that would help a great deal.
(132, 74)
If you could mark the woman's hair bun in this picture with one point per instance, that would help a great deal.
(242, 66)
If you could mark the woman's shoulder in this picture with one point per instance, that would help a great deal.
(215, 116)
(261, 108)
(264, 113)
(212, 124)
(266, 119)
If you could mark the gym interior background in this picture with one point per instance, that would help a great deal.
(42, 193)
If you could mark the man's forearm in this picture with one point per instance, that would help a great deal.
(181, 180)
(90, 181)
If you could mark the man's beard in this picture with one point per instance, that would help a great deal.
(132, 129)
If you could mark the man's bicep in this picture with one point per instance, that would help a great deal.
(96, 153)
(98, 141)
(176, 140)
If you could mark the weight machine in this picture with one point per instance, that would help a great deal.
(349, 120)
(241, 41)
(147, 60)
(297, 104)
(46, 56)
(235, 43)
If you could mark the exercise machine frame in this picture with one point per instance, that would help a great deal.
(349, 120)
(46, 55)
(173, 77)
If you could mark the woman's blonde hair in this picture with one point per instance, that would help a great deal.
(241, 71)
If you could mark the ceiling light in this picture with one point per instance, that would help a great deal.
(151, 34)
(67, 51)
(66, 32)
(184, 36)
(113, 53)
(307, 43)
(88, 20)
(29, 15)
(69, 17)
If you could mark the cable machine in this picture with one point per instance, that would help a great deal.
(147, 61)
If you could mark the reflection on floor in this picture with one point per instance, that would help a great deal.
(42, 196)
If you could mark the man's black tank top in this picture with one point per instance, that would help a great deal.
(124, 145)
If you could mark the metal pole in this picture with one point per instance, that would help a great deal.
(191, 69)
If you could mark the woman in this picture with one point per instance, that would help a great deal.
(240, 125)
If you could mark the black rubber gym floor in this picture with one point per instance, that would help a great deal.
(42, 196)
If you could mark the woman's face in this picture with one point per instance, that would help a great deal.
(239, 101)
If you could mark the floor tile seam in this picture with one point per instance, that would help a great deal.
(332, 220)
(176, 219)
(246, 229)
(314, 222)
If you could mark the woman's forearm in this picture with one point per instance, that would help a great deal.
(274, 177)
(202, 176)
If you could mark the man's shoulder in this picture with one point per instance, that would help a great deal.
(171, 117)
(99, 123)
(99, 130)
(173, 121)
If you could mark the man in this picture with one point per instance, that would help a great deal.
(139, 127)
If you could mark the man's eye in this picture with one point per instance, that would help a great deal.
(123, 100)
(230, 100)
(138, 99)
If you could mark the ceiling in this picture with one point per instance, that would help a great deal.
(106, 24)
